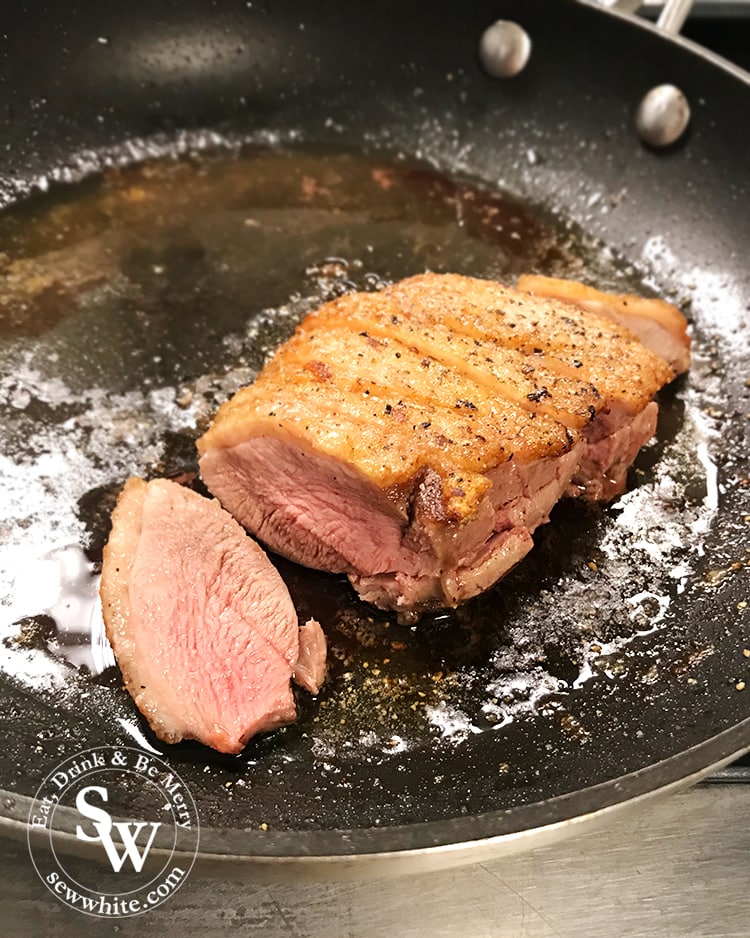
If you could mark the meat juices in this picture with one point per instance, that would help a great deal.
(414, 438)
(202, 625)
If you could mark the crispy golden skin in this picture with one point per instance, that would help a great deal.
(658, 324)
(666, 314)
(440, 370)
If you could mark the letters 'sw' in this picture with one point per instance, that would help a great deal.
(128, 831)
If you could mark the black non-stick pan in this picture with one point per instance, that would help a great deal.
(182, 181)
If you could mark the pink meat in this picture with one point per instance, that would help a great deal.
(310, 671)
(202, 625)
(397, 547)
(611, 443)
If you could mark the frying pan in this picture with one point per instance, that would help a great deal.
(606, 668)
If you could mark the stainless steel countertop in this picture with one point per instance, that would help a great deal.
(679, 867)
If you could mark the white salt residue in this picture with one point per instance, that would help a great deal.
(713, 291)
(134, 731)
(38, 498)
(37, 671)
(387, 745)
(453, 723)
(519, 693)
(654, 518)
(680, 572)
(133, 418)
(585, 674)
(637, 602)
(659, 527)
(322, 749)
(20, 399)
(109, 438)
(394, 744)
(29, 383)
(592, 652)
(648, 515)
(711, 500)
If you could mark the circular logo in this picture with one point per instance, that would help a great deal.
(144, 858)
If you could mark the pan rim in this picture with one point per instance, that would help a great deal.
(430, 845)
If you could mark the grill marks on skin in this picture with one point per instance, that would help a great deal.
(201, 623)
(659, 325)
(589, 350)
(495, 371)
(414, 438)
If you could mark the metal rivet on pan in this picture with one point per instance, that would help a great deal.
(504, 49)
(662, 116)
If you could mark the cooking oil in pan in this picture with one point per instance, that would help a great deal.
(133, 304)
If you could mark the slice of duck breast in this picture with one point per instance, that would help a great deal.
(658, 324)
(414, 438)
(201, 623)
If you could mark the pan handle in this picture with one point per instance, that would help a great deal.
(664, 113)
(672, 16)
